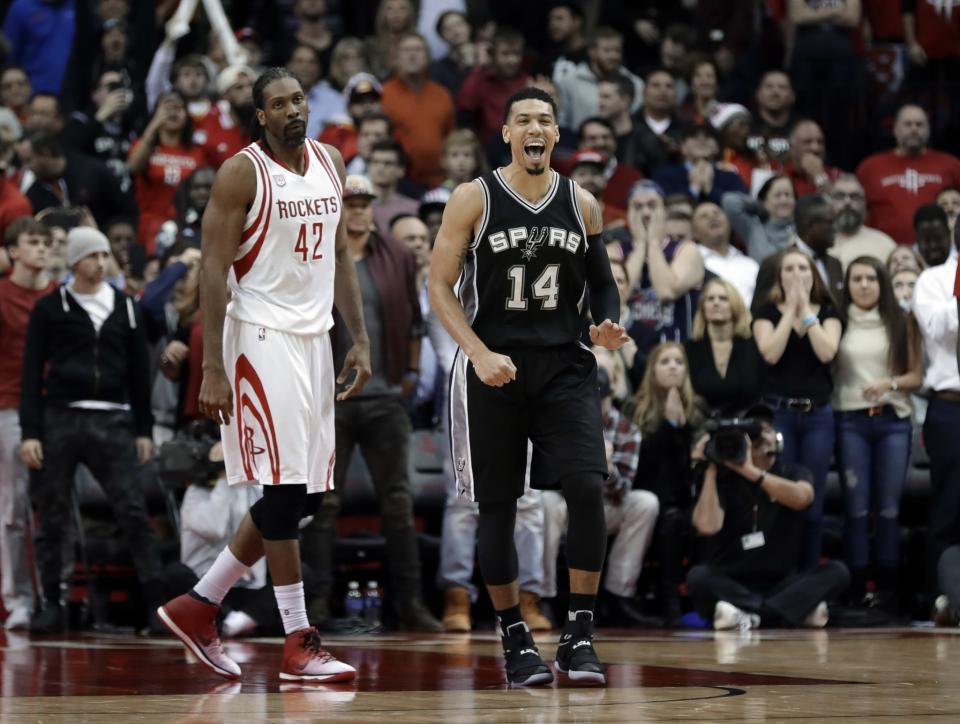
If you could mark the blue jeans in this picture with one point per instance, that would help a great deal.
(459, 542)
(873, 455)
(808, 441)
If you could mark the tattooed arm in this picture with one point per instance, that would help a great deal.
(450, 251)
(604, 295)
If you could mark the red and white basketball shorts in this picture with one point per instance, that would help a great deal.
(282, 429)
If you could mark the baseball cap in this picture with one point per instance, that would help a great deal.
(723, 113)
(358, 186)
(362, 84)
(231, 74)
(434, 200)
(588, 156)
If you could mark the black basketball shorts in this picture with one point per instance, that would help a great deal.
(554, 402)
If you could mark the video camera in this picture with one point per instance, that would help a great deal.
(727, 443)
(186, 458)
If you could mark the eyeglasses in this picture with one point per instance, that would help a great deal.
(843, 196)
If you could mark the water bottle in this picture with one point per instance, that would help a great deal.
(372, 604)
(353, 603)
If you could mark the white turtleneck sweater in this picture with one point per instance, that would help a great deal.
(863, 360)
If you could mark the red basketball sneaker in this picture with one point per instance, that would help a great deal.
(304, 659)
(194, 623)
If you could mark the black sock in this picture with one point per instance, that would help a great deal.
(580, 602)
(508, 617)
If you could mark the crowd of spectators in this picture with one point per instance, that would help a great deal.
(780, 194)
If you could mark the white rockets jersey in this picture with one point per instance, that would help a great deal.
(282, 275)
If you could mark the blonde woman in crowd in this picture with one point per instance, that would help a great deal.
(667, 413)
(725, 367)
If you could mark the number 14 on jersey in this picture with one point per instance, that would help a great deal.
(546, 287)
(303, 245)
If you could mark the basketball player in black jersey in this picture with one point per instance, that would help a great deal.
(522, 246)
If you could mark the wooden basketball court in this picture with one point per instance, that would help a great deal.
(854, 675)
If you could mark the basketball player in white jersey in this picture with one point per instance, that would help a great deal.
(272, 233)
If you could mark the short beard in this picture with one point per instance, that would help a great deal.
(535, 171)
(293, 140)
(848, 222)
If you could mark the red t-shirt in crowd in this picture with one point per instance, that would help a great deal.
(13, 204)
(956, 283)
(484, 95)
(897, 185)
(219, 134)
(619, 182)
(343, 137)
(156, 185)
(16, 303)
(801, 184)
(938, 29)
(886, 19)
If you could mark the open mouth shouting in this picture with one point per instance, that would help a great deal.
(535, 149)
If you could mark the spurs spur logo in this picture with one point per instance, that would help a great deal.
(537, 236)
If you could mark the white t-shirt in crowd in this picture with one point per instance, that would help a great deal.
(98, 305)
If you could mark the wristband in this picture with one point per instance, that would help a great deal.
(894, 385)
(810, 320)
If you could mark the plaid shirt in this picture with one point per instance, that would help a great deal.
(624, 436)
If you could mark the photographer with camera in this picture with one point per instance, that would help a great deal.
(211, 512)
(750, 508)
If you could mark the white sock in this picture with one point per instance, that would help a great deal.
(293, 607)
(224, 572)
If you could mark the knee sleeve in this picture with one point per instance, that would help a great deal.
(277, 514)
(496, 549)
(587, 526)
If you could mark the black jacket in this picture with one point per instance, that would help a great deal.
(89, 183)
(66, 360)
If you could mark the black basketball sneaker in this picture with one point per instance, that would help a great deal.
(575, 655)
(524, 665)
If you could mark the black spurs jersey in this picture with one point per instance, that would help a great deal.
(524, 276)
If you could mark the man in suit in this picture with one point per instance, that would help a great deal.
(813, 219)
